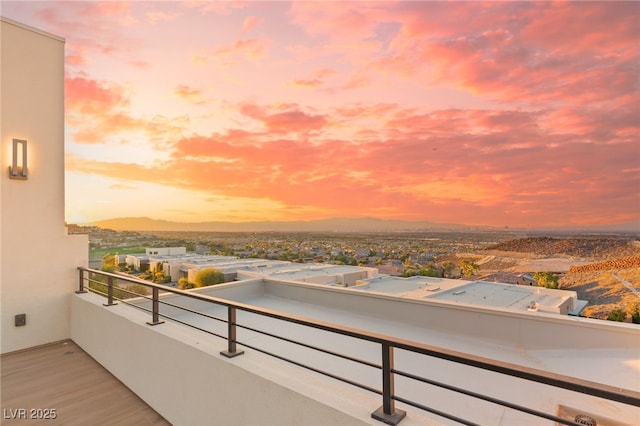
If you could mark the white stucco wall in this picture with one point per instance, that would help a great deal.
(37, 257)
(181, 374)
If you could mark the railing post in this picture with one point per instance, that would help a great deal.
(81, 282)
(231, 334)
(109, 292)
(155, 293)
(388, 413)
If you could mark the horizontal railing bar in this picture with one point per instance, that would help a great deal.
(435, 411)
(138, 295)
(484, 397)
(147, 297)
(612, 393)
(93, 290)
(91, 281)
(142, 308)
(190, 325)
(557, 380)
(316, 370)
(194, 311)
(306, 345)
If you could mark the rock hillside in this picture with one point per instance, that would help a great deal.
(592, 248)
(622, 263)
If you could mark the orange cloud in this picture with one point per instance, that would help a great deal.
(245, 48)
(496, 168)
(318, 79)
(307, 83)
(189, 93)
(99, 112)
(86, 96)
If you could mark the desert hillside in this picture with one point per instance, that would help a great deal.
(596, 249)
(604, 271)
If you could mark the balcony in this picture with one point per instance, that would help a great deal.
(310, 354)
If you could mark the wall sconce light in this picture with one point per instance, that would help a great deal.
(18, 168)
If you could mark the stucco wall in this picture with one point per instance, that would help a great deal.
(181, 374)
(38, 258)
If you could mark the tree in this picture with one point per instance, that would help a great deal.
(109, 262)
(208, 276)
(546, 279)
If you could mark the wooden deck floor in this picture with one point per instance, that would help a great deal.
(64, 378)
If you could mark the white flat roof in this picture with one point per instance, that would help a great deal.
(499, 295)
(416, 286)
(478, 293)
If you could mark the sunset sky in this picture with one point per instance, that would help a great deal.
(522, 114)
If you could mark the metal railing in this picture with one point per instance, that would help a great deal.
(387, 412)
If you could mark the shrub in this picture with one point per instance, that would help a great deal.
(208, 276)
(635, 316)
(546, 279)
(617, 315)
(184, 284)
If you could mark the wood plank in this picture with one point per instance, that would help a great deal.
(63, 377)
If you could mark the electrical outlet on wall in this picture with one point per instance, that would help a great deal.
(20, 320)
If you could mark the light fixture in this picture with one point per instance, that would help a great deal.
(18, 168)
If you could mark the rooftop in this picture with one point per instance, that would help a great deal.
(479, 293)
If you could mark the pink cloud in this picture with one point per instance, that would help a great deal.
(549, 136)
(514, 52)
(345, 21)
(250, 22)
(233, 53)
(216, 7)
(291, 120)
(155, 16)
(89, 27)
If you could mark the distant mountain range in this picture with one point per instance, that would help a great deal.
(364, 224)
(322, 225)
